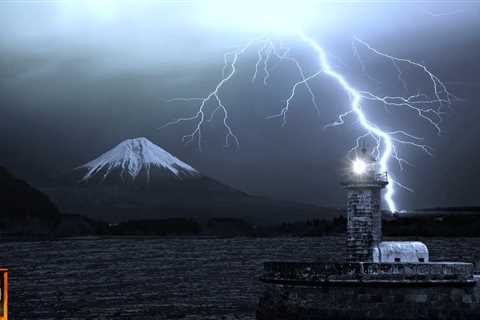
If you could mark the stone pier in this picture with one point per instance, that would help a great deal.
(318, 291)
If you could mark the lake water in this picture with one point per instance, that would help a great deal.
(162, 278)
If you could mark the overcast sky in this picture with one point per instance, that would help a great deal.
(78, 77)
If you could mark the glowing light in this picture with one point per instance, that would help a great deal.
(263, 16)
(105, 9)
(359, 167)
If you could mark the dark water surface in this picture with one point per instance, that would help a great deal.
(162, 278)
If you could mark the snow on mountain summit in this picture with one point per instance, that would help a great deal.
(134, 155)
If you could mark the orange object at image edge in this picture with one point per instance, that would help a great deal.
(4, 297)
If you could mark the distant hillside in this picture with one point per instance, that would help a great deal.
(24, 210)
(19, 198)
(447, 210)
(28, 213)
(434, 222)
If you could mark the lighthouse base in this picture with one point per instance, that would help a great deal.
(304, 291)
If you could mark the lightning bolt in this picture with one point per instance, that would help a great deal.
(427, 108)
(214, 95)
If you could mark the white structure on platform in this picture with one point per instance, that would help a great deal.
(400, 251)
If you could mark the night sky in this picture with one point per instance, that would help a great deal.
(77, 78)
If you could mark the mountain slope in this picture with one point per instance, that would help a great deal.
(23, 209)
(139, 180)
(18, 198)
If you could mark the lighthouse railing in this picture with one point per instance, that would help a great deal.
(368, 178)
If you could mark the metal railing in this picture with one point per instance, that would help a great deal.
(368, 177)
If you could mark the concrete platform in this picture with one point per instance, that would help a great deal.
(322, 291)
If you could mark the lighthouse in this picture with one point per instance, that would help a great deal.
(380, 279)
(364, 183)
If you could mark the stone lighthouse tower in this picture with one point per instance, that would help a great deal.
(394, 279)
(364, 219)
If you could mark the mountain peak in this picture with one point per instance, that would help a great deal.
(132, 156)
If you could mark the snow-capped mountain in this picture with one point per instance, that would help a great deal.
(139, 180)
(133, 158)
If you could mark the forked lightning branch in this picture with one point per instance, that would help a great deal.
(427, 106)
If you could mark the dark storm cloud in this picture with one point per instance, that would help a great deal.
(75, 81)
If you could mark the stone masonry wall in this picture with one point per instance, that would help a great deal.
(359, 303)
(364, 225)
